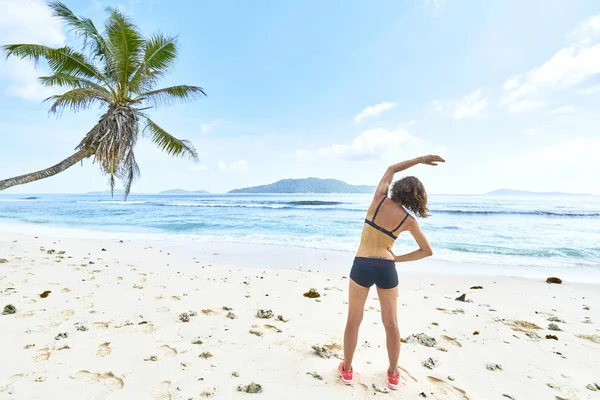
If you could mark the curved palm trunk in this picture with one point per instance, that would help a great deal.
(48, 172)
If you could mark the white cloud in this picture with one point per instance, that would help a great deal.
(589, 90)
(569, 67)
(587, 31)
(240, 166)
(468, 106)
(374, 111)
(27, 21)
(208, 127)
(371, 144)
(564, 110)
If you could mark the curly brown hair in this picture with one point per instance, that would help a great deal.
(410, 192)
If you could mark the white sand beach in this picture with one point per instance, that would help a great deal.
(102, 319)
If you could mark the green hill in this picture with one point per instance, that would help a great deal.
(308, 185)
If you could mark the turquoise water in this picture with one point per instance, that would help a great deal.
(495, 230)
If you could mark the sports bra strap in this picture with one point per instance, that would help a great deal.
(377, 209)
(400, 224)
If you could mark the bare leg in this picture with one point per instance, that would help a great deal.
(356, 307)
(388, 299)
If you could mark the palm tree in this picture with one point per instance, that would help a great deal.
(117, 70)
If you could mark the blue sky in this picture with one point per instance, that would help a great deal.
(508, 92)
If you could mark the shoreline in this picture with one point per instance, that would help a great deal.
(290, 257)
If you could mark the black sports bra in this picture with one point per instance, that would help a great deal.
(381, 229)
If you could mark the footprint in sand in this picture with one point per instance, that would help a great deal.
(448, 391)
(102, 325)
(108, 379)
(148, 329)
(8, 387)
(168, 351)
(26, 314)
(104, 350)
(42, 355)
(163, 392)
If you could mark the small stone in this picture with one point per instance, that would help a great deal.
(151, 358)
(450, 378)
(197, 341)
(430, 363)
(103, 250)
(264, 314)
(554, 327)
(435, 323)
(476, 333)
(62, 335)
(184, 317)
(225, 308)
(422, 394)
(553, 279)
(9, 309)
(476, 287)
(592, 387)
(315, 375)
(50, 252)
(462, 297)
(552, 337)
(322, 352)
(312, 294)
(421, 338)
(235, 374)
(192, 313)
(231, 315)
(251, 388)
(494, 367)
(556, 319)
(256, 332)
(586, 308)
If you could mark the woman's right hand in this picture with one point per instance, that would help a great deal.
(432, 159)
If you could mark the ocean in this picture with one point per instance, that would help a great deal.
(528, 232)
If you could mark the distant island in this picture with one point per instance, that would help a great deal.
(308, 185)
(182, 192)
(511, 192)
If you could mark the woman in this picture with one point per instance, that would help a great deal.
(375, 262)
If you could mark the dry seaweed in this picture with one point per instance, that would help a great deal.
(315, 375)
(312, 294)
(205, 355)
(256, 332)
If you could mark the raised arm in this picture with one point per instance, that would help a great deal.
(386, 180)
(425, 249)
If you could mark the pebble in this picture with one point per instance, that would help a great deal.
(430, 363)
(554, 327)
(494, 367)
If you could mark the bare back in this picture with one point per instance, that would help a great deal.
(383, 215)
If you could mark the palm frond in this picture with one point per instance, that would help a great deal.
(160, 53)
(169, 95)
(126, 44)
(60, 60)
(83, 27)
(168, 143)
(70, 81)
(77, 99)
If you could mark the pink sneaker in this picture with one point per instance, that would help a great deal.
(393, 380)
(345, 375)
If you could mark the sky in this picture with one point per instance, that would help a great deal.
(507, 91)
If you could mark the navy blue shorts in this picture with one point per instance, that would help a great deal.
(369, 271)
